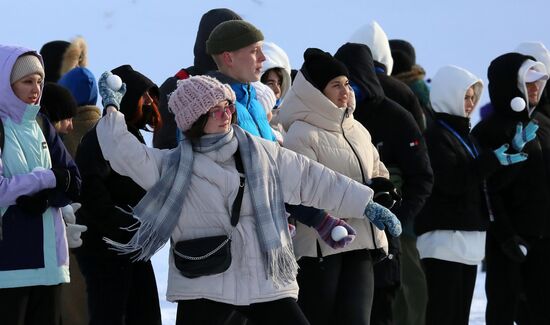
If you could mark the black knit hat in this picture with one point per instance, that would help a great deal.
(403, 54)
(232, 35)
(52, 54)
(57, 102)
(320, 67)
(136, 85)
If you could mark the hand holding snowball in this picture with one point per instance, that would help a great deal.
(339, 238)
(106, 84)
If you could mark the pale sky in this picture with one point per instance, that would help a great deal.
(157, 37)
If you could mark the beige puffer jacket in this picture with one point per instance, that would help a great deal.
(206, 209)
(85, 119)
(330, 135)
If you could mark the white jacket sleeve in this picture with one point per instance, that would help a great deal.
(126, 155)
(309, 183)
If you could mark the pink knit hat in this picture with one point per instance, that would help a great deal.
(194, 96)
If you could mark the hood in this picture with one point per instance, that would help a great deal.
(541, 53)
(373, 36)
(358, 59)
(82, 84)
(76, 55)
(449, 86)
(306, 103)
(10, 105)
(506, 76)
(204, 62)
(275, 57)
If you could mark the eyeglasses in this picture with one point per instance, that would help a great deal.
(219, 113)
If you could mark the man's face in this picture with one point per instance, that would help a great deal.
(533, 90)
(246, 63)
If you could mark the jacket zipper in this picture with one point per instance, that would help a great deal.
(346, 115)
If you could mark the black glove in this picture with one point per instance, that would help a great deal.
(385, 192)
(512, 248)
(63, 180)
(34, 204)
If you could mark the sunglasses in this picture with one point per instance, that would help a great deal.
(219, 113)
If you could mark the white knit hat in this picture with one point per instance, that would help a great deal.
(265, 96)
(196, 95)
(25, 65)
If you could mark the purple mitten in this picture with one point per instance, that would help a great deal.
(325, 229)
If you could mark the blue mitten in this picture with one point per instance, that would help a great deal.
(506, 159)
(523, 136)
(325, 232)
(110, 97)
(381, 217)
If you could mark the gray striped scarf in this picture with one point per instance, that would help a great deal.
(160, 208)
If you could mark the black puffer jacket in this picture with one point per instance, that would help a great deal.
(519, 194)
(394, 133)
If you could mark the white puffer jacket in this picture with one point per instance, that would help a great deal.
(330, 135)
(206, 209)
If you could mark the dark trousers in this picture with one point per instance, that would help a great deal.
(37, 305)
(450, 291)
(208, 312)
(409, 306)
(508, 284)
(120, 292)
(337, 289)
(382, 305)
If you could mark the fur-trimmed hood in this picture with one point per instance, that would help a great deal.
(76, 55)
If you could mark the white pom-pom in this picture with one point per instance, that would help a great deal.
(114, 82)
(518, 104)
(338, 233)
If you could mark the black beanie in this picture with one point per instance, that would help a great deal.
(57, 102)
(136, 85)
(320, 67)
(52, 54)
(403, 54)
(232, 35)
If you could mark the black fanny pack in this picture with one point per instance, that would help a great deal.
(210, 255)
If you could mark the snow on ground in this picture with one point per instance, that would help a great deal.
(160, 263)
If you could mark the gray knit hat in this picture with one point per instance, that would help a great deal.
(25, 65)
(232, 35)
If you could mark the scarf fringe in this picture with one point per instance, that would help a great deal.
(138, 248)
(282, 266)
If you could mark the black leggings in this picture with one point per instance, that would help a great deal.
(36, 305)
(208, 312)
(337, 289)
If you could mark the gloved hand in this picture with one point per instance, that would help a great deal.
(523, 136)
(110, 97)
(512, 247)
(73, 230)
(385, 192)
(325, 229)
(381, 217)
(506, 159)
(292, 230)
(35, 204)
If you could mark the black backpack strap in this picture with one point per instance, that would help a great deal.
(236, 210)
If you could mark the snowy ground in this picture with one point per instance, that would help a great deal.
(160, 262)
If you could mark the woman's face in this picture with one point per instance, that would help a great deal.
(219, 118)
(469, 101)
(338, 91)
(274, 82)
(28, 88)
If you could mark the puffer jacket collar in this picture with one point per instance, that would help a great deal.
(306, 103)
